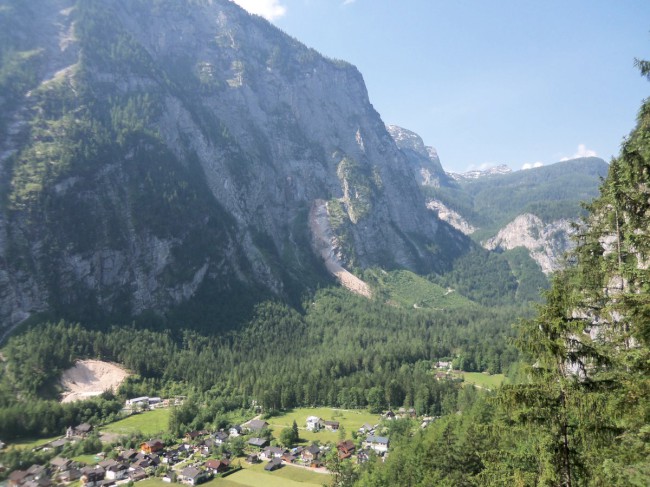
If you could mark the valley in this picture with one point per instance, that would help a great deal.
(219, 264)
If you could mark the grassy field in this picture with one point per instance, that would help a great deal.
(256, 476)
(148, 423)
(484, 380)
(350, 420)
(90, 459)
(31, 443)
(409, 290)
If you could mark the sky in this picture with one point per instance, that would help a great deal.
(486, 82)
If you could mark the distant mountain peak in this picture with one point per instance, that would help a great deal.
(480, 173)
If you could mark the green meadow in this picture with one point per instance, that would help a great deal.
(148, 423)
(350, 419)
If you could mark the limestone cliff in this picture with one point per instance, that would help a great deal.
(546, 242)
(165, 155)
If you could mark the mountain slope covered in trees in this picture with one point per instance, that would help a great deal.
(582, 415)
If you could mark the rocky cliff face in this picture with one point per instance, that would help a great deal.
(169, 153)
(546, 242)
(423, 160)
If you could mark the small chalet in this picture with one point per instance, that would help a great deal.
(137, 474)
(18, 477)
(151, 446)
(289, 457)
(128, 455)
(314, 423)
(57, 444)
(258, 442)
(217, 466)
(311, 453)
(92, 476)
(118, 471)
(170, 457)
(331, 425)
(256, 425)
(274, 464)
(235, 431)
(272, 452)
(69, 475)
(377, 443)
(194, 435)
(220, 437)
(363, 456)
(60, 464)
(83, 430)
(345, 449)
(40, 482)
(390, 415)
(252, 459)
(193, 476)
(367, 428)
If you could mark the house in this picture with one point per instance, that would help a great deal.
(289, 457)
(92, 476)
(18, 477)
(40, 482)
(331, 425)
(83, 430)
(274, 464)
(193, 476)
(217, 466)
(252, 459)
(258, 442)
(151, 446)
(314, 423)
(137, 401)
(377, 443)
(193, 435)
(117, 471)
(170, 457)
(235, 431)
(311, 453)
(128, 454)
(443, 364)
(255, 425)
(272, 452)
(363, 456)
(390, 415)
(69, 475)
(345, 449)
(56, 444)
(366, 428)
(220, 437)
(137, 474)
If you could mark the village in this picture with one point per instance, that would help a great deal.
(200, 456)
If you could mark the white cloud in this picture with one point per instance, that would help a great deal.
(348, 2)
(582, 152)
(531, 165)
(269, 9)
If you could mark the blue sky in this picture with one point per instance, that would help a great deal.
(485, 82)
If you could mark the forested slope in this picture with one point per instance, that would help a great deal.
(582, 416)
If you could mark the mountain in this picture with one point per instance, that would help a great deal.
(164, 158)
(502, 209)
(481, 173)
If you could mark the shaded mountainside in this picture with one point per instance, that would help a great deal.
(166, 155)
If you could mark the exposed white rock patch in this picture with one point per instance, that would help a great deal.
(324, 244)
(546, 242)
(91, 378)
(450, 216)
